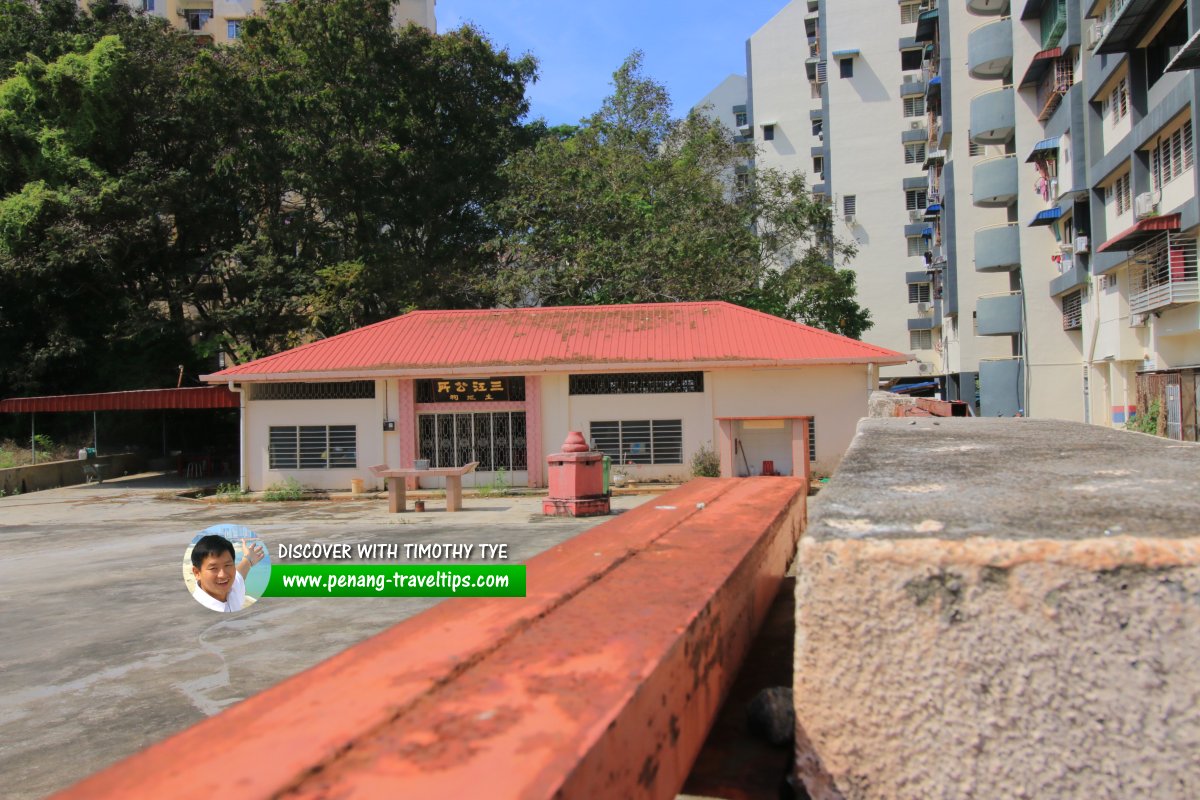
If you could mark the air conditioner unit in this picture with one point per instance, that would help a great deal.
(1081, 244)
(908, 78)
(924, 368)
(916, 215)
(922, 308)
(1137, 320)
(1095, 34)
(1144, 205)
(914, 126)
(849, 219)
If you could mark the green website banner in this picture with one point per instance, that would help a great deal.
(396, 580)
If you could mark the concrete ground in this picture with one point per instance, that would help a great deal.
(102, 651)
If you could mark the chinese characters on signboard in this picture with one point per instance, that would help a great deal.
(470, 390)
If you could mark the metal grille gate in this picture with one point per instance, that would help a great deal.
(495, 439)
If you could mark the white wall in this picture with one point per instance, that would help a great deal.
(422, 12)
(367, 415)
(694, 410)
(781, 91)
(835, 396)
(718, 104)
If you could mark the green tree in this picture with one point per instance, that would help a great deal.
(160, 200)
(362, 158)
(96, 160)
(635, 206)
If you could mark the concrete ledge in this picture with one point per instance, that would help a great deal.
(52, 474)
(1001, 608)
(602, 682)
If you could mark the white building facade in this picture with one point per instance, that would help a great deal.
(1020, 183)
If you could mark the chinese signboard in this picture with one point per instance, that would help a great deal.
(470, 390)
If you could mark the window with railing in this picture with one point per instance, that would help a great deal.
(914, 106)
(658, 441)
(909, 13)
(196, 19)
(1054, 22)
(1118, 192)
(1115, 105)
(915, 199)
(920, 340)
(914, 153)
(331, 390)
(637, 383)
(1163, 273)
(1172, 157)
(918, 293)
(1054, 84)
(1072, 311)
(313, 447)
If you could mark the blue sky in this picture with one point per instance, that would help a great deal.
(690, 47)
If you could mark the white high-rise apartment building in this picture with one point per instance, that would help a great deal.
(1020, 183)
(221, 20)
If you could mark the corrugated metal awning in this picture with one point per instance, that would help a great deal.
(138, 400)
(1046, 217)
(1143, 230)
(1188, 56)
(927, 24)
(1038, 66)
(1042, 147)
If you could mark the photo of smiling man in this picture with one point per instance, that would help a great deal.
(218, 577)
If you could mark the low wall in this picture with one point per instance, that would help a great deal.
(1001, 608)
(52, 474)
(602, 682)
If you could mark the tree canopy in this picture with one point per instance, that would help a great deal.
(635, 206)
(161, 201)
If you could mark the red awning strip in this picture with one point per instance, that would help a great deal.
(139, 400)
(1134, 236)
(1053, 52)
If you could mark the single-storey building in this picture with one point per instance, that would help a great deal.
(649, 384)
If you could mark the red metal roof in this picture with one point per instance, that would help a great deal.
(1143, 230)
(567, 337)
(139, 400)
(1038, 66)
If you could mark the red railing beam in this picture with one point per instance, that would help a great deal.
(603, 682)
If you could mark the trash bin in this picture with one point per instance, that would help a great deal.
(356, 486)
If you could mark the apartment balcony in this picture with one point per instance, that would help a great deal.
(998, 314)
(993, 116)
(987, 8)
(994, 182)
(998, 248)
(1001, 387)
(990, 49)
(1163, 274)
(1071, 277)
(196, 15)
